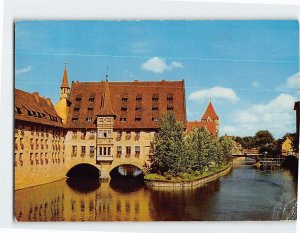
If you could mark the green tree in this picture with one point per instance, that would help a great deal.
(201, 149)
(265, 142)
(226, 149)
(168, 151)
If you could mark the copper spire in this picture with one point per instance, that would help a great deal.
(65, 82)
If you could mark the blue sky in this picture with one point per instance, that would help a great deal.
(249, 69)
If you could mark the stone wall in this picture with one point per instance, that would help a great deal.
(39, 156)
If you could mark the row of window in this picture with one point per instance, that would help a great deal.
(83, 150)
(139, 108)
(38, 143)
(39, 158)
(106, 150)
(39, 131)
(139, 98)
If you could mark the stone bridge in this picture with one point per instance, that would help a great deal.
(106, 167)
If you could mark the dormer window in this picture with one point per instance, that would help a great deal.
(138, 109)
(138, 119)
(139, 98)
(18, 110)
(75, 119)
(78, 99)
(89, 119)
(125, 99)
(90, 109)
(170, 108)
(154, 108)
(154, 119)
(170, 97)
(124, 109)
(155, 98)
(123, 119)
(92, 100)
(76, 109)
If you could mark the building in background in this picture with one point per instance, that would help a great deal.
(287, 147)
(210, 120)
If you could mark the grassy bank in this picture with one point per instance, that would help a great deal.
(185, 176)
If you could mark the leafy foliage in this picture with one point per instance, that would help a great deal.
(174, 152)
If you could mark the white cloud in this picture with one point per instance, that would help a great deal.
(293, 82)
(228, 129)
(158, 65)
(176, 64)
(23, 70)
(277, 116)
(214, 93)
(255, 84)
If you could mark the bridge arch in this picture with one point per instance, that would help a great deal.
(127, 169)
(83, 170)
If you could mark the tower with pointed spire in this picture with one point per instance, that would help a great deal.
(64, 87)
(105, 124)
(62, 106)
(210, 115)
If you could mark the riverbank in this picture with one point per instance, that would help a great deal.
(157, 181)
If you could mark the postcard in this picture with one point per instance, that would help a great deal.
(174, 120)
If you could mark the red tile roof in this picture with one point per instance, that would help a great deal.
(139, 102)
(36, 109)
(210, 113)
(209, 125)
(65, 82)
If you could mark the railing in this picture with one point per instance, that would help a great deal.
(92, 155)
(118, 155)
(73, 154)
(82, 155)
(127, 155)
(137, 155)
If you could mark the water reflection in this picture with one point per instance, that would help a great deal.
(83, 185)
(244, 194)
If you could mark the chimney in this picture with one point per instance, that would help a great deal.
(36, 96)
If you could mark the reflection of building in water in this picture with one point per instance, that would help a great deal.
(59, 202)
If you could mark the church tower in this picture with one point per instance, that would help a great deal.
(62, 106)
(105, 123)
(64, 87)
(210, 115)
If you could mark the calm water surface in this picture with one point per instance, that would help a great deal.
(244, 194)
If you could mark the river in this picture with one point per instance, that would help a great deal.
(245, 193)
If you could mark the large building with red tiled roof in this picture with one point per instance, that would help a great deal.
(209, 120)
(116, 121)
(39, 154)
